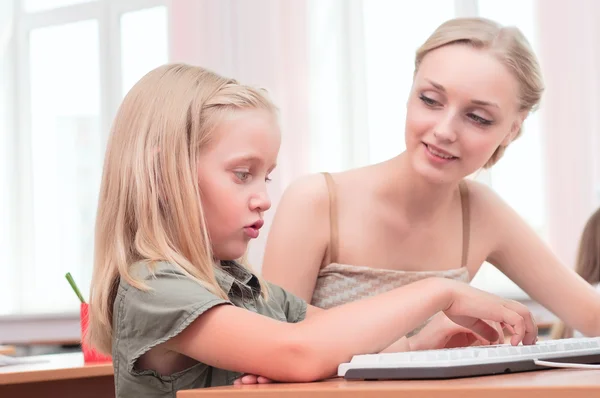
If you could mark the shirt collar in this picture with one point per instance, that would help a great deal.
(230, 273)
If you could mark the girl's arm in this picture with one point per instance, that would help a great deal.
(239, 340)
(440, 332)
(525, 259)
(299, 237)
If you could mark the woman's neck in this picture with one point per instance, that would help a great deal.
(422, 200)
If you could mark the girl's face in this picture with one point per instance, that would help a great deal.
(462, 106)
(233, 172)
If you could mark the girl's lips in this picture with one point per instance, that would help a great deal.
(258, 224)
(252, 231)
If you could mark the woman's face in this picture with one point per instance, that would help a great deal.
(463, 105)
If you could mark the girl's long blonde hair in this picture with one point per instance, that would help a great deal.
(587, 265)
(149, 207)
(509, 46)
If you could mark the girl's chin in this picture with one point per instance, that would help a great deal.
(231, 253)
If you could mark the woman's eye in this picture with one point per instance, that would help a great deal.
(479, 119)
(242, 175)
(428, 101)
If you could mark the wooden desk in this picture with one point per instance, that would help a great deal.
(60, 375)
(561, 383)
(7, 350)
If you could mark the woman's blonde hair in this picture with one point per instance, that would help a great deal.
(149, 206)
(587, 265)
(510, 47)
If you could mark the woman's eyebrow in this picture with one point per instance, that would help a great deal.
(474, 101)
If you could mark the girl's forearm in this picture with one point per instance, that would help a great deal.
(369, 325)
(400, 345)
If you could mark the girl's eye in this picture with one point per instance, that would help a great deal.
(268, 179)
(242, 175)
(428, 101)
(479, 119)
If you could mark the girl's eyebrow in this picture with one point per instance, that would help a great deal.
(249, 158)
(246, 157)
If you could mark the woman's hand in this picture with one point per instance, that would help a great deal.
(475, 309)
(441, 332)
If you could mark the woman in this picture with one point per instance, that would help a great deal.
(337, 238)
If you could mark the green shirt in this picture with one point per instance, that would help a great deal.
(142, 320)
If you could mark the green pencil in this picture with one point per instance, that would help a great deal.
(74, 286)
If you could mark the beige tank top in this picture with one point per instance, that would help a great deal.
(342, 283)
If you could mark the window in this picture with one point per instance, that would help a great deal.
(143, 43)
(42, 5)
(8, 170)
(72, 68)
(65, 152)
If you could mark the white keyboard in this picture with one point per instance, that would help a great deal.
(470, 361)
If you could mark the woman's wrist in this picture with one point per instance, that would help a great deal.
(412, 343)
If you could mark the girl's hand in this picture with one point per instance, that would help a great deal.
(441, 332)
(251, 379)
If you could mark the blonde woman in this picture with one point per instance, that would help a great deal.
(337, 238)
(587, 266)
(183, 192)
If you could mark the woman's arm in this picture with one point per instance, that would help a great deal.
(299, 237)
(520, 254)
(239, 340)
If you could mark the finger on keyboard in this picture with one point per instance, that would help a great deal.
(485, 330)
(531, 331)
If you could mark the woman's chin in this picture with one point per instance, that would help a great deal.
(434, 175)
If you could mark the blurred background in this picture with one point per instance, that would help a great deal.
(340, 70)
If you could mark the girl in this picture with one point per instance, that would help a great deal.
(587, 265)
(183, 192)
(372, 229)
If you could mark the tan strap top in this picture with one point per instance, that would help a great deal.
(333, 216)
(466, 221)
(333, 220)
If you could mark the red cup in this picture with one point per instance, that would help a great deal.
(89, 354)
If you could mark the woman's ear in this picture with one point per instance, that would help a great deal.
(515, 128)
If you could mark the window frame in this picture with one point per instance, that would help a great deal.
(107, 13)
